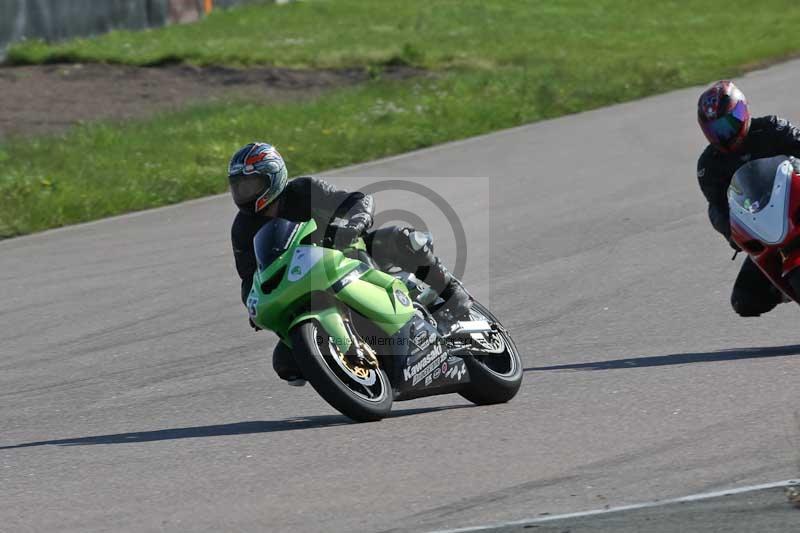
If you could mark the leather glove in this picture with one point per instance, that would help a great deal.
(347, 234)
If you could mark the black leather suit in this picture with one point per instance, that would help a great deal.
(307, 197)
(753, 294)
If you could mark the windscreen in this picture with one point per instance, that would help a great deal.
(272, 240)
(751, 186)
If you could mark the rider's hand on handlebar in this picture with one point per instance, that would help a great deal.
(346, 235)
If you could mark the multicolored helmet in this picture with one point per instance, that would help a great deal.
(257, 176)
(723, 116)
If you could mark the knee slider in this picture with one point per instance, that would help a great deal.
(744, 310)
(418, 241)
(746, 307)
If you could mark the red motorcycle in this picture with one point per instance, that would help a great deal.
(764, 201)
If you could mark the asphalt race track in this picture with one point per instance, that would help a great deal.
(763, 511)
(134, 396)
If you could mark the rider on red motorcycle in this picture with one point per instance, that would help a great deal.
(735, 138)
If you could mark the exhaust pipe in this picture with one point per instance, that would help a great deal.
(468, 327)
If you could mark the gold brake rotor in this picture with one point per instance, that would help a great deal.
(361, 371)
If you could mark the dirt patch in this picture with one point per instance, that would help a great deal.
(50, 98)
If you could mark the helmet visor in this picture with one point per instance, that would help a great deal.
(725, 129)
(247, 188)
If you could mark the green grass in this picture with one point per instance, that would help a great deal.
(500, 64)
(446, 33)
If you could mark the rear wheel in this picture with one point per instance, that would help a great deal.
(495, 368)
(357, 391)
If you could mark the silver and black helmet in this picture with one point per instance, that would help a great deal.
(257, 176)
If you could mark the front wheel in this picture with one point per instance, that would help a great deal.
(495, 368)
(363, 394)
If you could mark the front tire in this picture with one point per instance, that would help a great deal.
(494, 377)
(363, 399)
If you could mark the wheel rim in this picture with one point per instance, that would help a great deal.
(498, 354)
(369, 384)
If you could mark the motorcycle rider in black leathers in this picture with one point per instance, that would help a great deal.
(735, 139)
(260, 187)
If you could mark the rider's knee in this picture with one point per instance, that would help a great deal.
(283, 362)
(746, 304)
(417, 241)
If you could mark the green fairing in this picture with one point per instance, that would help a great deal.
(331, 321)
(373, 294)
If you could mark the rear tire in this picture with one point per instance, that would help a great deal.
(493, 380)
(340, 389)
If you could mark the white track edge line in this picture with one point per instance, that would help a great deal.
(645, 505)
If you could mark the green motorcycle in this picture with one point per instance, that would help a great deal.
(363, 337)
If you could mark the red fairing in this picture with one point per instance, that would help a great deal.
(792, 259)
(768, 257)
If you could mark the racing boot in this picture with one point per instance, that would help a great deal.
(285, 366)
(457, 301)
